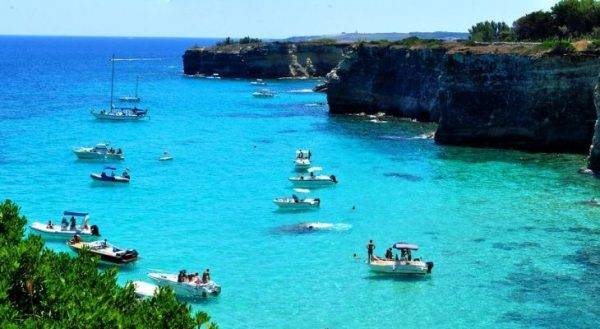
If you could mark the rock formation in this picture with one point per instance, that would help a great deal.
(267, 60)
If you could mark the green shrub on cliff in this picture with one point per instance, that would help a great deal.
(534, 26)
(557, 47)
(490, 31)
(567, 19)
(40, 288)
(247, 40)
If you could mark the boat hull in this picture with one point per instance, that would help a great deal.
(285, 204)
(188, 290)
(125, 258)
(307, 183)
(115, 117)
(58, 234)
(400, 267)
(144, 289)
(109, 179)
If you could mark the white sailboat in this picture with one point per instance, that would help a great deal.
(135, 98)
(118, 113)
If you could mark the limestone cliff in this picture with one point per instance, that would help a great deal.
(594, 160)
(396, 80)
(264, 60)
(537, 103)
(512, 96)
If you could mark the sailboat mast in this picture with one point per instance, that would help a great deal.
(112, 81)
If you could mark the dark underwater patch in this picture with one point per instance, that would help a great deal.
(514, 246)
(479, 240)
(404, 176)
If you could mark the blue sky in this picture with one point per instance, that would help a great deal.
(263, 18)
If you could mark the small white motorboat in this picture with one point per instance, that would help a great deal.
(67, 228)
(263, 93)
(295, 203)
(183, 287)
(404, 264)
(214, 76)
(108, 253)
(144, 289)
(313, 180)
(111, 178)
(99, 152)
(302, 161)
(166, 156)
(258, 82)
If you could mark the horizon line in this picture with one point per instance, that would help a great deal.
(205, 37)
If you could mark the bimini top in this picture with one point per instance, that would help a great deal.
(404, 245)
(110, 168)
(74, 213)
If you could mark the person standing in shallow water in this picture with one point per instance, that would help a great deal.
(370, 249)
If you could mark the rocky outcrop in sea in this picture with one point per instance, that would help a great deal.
(269, 60)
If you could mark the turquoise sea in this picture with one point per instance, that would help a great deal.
(512, 245)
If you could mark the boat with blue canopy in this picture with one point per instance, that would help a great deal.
(67, 228)
(108, 175)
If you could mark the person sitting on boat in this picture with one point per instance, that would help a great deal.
(111, 150)
(103, 175)
(312, 174)
(125, 174)
(50, 226)
(206, 276)
(64, 224)
(295, 198)
(73, 224)
(119, 151)
(300, 155)
(181, 276)
(76, 239)
(389, 254)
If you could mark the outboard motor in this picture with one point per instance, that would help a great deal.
(429, 266)
(95, 231)
(333, 178)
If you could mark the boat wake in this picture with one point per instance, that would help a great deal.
(428, 135)
(312, 227)
(301, 91)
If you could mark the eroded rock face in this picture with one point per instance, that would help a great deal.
(537, 103)
(264, 60)
(594, 159)
(497, 96)
(396, 80)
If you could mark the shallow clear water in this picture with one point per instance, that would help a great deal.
(511, 245)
